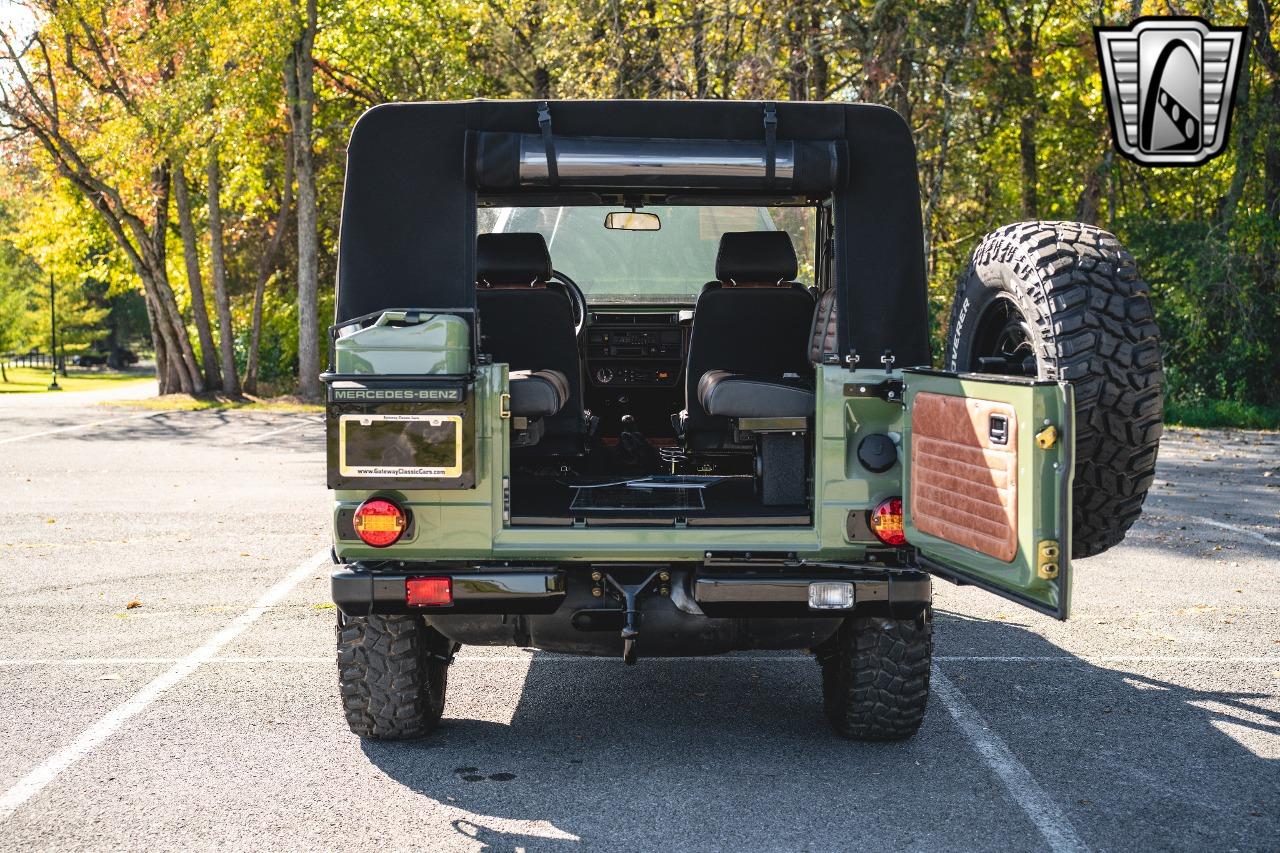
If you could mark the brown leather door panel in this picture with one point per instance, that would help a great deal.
(964, 472)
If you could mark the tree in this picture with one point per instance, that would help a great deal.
(218, 272)
(191, 258)
(267, 261)
(300, 77)
(61, 85)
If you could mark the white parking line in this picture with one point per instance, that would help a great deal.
(31, 784)
(547, 657)
(1252, 534)
(1026, 792)
(260, 436)
(26, 435)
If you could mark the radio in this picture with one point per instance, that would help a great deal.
(632, 342)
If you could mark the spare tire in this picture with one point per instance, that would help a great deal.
(1063, 300)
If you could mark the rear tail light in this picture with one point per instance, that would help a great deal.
(379, 522)
(428, 592)
(886, 522)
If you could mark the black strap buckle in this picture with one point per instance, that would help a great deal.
(548, 142)
(770, 142)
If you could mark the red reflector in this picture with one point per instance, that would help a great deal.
(886, 522)
(379, 522)
(428, 592)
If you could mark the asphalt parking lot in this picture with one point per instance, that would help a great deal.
(206, 714)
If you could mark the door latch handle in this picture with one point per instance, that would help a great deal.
(504, 406)
(998, 429)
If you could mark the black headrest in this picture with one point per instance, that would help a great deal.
(512, 258)
(756, 256)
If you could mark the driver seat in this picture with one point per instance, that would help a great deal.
(526, 321)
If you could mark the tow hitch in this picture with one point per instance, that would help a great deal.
(630, 593)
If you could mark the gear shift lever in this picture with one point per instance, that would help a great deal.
(633, 449)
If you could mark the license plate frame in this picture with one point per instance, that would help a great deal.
(347, 422)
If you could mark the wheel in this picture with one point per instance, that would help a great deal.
(875, 676)
(1062, 300)
(392, 673)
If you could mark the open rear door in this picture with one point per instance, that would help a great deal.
(987, 483)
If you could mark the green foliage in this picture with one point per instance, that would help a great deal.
(1221, 413)
(19, 283)
(279, 345)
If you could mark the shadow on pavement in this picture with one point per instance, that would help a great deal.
(211, 426)
(734, 752)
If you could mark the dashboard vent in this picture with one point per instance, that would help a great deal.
(657, 319)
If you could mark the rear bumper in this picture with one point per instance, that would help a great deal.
(677, 609)
(698, 590)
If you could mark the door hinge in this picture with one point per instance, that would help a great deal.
(1047, 559)
(889, 390)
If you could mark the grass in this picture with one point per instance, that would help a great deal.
(34, 380)
(1221, 413)
(217, 402)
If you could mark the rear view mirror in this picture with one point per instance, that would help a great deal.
(629, 220)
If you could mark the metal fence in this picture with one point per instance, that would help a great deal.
(34, 359)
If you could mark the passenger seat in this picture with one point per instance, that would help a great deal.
(736, 395)
(747, 354)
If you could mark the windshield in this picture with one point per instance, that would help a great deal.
(669, 265)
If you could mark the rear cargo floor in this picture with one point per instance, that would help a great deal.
(729, 502)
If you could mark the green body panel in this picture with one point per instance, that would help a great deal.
(441, 344)
(1044, 489)
(469, 524)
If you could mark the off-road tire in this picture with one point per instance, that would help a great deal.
(392, 674)
(875, 676)
(1091, 323)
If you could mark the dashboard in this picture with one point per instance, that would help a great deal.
(635, 363)
(638, 350)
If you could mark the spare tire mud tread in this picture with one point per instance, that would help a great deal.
(1091, 316)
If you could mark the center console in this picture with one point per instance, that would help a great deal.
(636, 350)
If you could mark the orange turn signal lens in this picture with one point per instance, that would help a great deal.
(886, 522)
(379, 522)
(428, 592)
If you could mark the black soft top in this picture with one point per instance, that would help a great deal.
(416, 172)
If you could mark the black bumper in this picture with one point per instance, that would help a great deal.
(359, 593)
(697, 589)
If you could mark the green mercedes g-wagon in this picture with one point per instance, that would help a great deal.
(654, 378)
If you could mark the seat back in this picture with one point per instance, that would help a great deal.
(528, 323)
(754, 320)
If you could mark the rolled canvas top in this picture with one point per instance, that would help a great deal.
(407, 236)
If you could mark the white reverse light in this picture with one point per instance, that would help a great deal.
(831, 595)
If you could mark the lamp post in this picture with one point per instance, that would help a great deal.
(53, 337)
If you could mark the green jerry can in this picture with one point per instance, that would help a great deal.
(414, 343)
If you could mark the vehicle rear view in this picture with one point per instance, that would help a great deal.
(653, 379)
